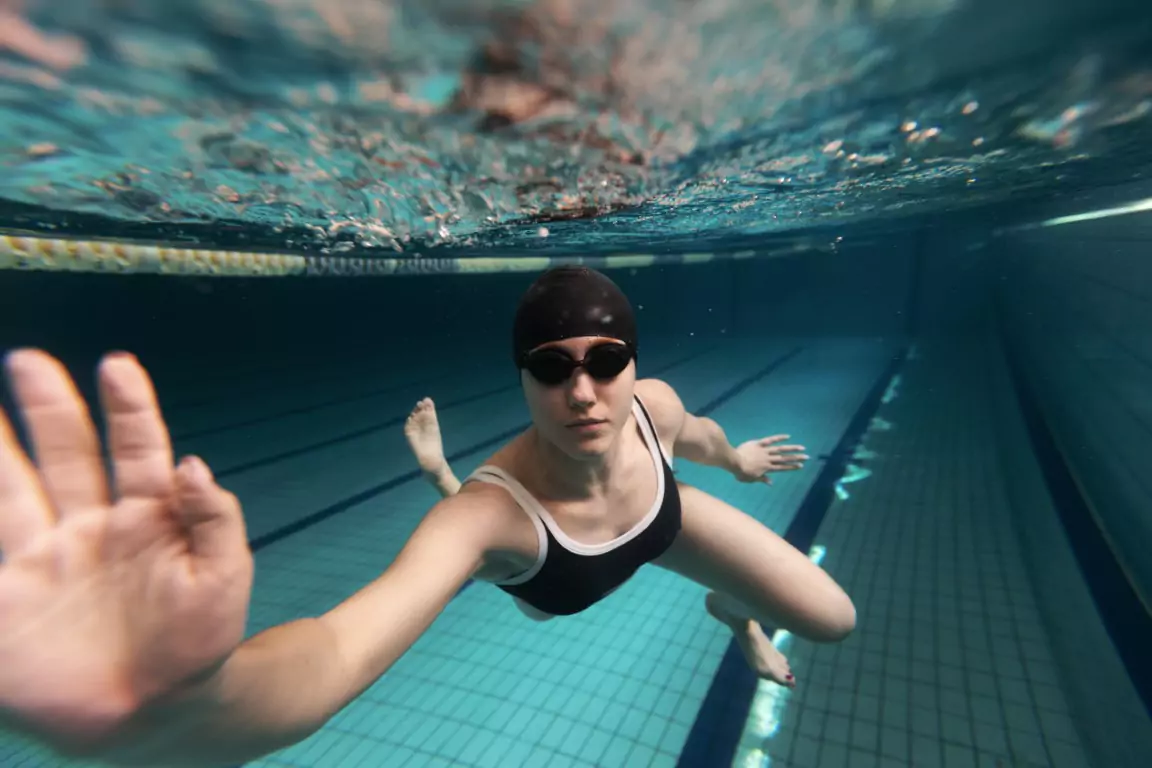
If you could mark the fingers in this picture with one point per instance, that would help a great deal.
(63, 437)
(787, 457)
(210, 515)
(24, 510)
(770, 443)
(137, 436)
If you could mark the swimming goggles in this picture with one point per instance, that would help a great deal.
(603, 362)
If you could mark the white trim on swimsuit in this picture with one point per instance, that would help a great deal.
(540, 516)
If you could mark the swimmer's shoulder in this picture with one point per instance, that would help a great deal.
(467, 535)
(509, 538)
(664, 406)
(493, 502)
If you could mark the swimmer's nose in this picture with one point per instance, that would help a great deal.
(581, 391)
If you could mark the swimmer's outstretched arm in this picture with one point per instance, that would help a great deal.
(124, 595)
(282, 685)
(703, 441)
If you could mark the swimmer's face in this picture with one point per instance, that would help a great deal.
(561, 412)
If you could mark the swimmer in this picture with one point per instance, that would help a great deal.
(756, 459)
(124, 596)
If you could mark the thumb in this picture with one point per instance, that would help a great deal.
(773, 439)
(210, 515)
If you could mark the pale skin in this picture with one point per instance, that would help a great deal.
(698, 437)
(123, 599)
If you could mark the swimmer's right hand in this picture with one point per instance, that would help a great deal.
(114, 592)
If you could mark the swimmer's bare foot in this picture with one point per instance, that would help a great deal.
(422, 429)
(764, 658)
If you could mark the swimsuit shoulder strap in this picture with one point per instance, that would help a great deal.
(648, 429)
(527, 502)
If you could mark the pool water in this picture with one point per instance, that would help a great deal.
(911, 235)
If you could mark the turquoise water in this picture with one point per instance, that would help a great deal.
(385, 126)
(962, 343)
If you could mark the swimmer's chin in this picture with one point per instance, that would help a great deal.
(590, 446)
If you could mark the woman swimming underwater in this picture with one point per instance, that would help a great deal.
(124, 602)
(750, 462)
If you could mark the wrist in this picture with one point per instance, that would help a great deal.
(733, 460)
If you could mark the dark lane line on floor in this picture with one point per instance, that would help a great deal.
(313, 372)
(343, 505)
(364, 361)
(354, 434)
(392, 422)
(716, 732)
(254, 386)
(299, 410)
(742, 385)
(1123, 612)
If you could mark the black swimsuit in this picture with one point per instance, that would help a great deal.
(568, 576)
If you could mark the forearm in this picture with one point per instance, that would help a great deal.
(282, 685)
(710, 446)
(278, 688)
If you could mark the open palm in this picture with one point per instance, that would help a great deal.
(760, 457)
(113, 592)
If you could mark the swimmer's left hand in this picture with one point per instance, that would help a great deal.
(759, 457)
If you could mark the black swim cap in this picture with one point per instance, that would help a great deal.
(571, 301)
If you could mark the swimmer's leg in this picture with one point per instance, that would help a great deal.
(757, 575)
(765, 659)
(422, 429)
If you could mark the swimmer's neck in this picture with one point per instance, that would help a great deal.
(565, 477)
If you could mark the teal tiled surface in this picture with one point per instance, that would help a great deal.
(950, 665)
